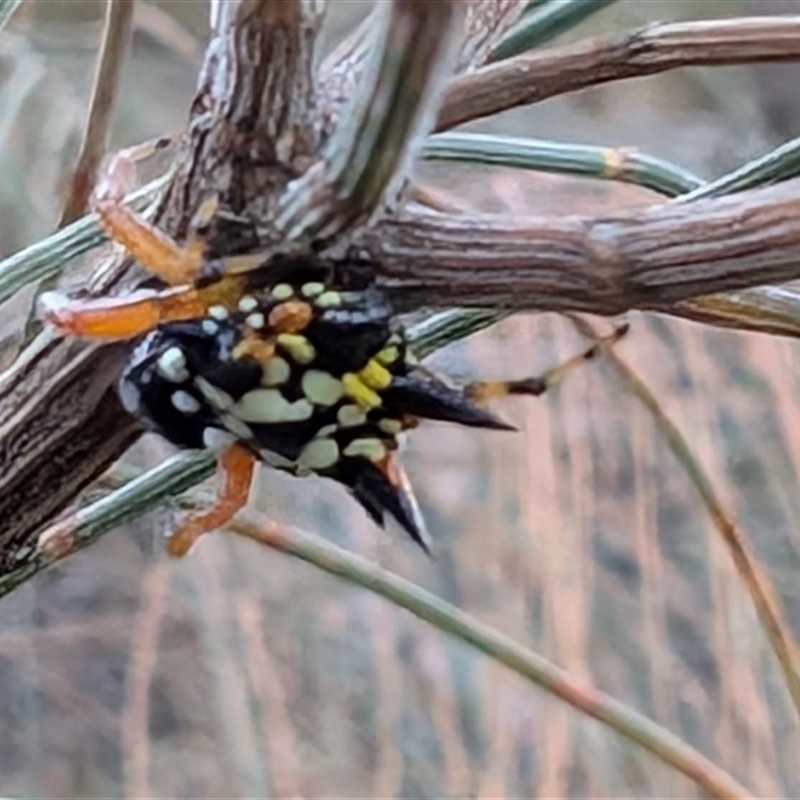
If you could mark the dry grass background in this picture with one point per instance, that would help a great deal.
(240, 673)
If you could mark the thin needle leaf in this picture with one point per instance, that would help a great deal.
(7, 9)
(606, 163)
(544, 22)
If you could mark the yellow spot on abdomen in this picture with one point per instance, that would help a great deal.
(388, 355)
(298, 347)
(375, 376)
(357, 390)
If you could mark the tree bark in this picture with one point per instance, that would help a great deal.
(533, 77)
(647, 260)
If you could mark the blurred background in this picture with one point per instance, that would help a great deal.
(241, 673)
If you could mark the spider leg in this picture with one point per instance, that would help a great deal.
(481, 392)
(157, 252)
(141, 153)
(236, 466)
(133, 314)
(120, 318)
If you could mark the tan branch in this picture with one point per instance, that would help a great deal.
(254, 120)
(116, 36)
(486, 23)
(646, 260)
(765, 309)
(61, 425)
(391, 113)
(536, 76)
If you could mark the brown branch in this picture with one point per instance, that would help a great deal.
(253, 122)
(487, 21)
(60, 426)
(413, 55)
(647, 260)
(766, 309)
(116, 36)
(536, 76)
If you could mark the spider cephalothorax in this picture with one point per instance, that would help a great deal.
(287, 367)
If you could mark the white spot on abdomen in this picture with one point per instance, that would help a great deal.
(270, 406)
(321, 387)
(256, 321)
(130, 396)
(216, 396)
(217, 440)
(185, 403)
(319, 454)
(276, 372)
(171, 365)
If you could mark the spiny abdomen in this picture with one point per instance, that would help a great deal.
(312, 380)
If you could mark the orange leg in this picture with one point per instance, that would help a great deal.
(236, 466)
(139, 154)
(110, 318)
(157, 252)
(481, 392)
(134, 315)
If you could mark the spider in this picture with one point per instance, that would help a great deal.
(282, 367)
